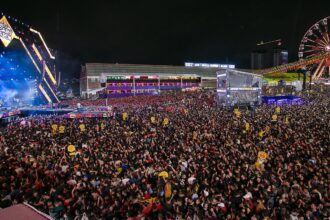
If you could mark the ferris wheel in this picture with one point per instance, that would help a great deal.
(316, 41)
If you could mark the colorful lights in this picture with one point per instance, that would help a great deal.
(37, 52)
(244, 89)
(27, 51)
(50, 88)
(44, 63)
(46, 69)
(6, 32)
(327, 48)
(42, 39)
(296, 65)
(50, 74)
(210, 65)
(45, 93)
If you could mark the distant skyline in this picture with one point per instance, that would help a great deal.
(165, 32)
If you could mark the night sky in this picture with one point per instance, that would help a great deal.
(165, 32)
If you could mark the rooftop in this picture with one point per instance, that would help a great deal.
(96, 69)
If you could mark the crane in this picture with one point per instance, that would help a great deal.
(278, 41)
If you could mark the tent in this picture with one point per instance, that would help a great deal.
(22, 212)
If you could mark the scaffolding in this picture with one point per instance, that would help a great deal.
(238, 88)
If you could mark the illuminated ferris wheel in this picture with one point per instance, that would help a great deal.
(316, 41)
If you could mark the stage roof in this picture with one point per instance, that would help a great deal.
(22, 212)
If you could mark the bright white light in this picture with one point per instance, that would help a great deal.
(244, 89)
(327, 48)
(208, 65)
(42, 39)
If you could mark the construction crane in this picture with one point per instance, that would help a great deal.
(278, 41)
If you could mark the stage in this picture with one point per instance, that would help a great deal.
(282, 100)
(44, 111)
(27, 66)
(8, 115)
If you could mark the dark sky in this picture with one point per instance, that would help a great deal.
(165, 32)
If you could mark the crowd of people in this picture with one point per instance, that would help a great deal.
(134, 101)
(173, 157)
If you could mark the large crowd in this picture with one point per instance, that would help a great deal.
(173, 157)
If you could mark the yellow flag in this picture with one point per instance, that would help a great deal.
(237, 113)
(165, 121)
(82, 127)
(152, 200)
(257, 164)
(72, 150)
(286, 120)
(262, 155)
(152, 119)
(247, 126)
(54, 128)
(274, 118)
(125, 116)
(278, 110)
(261, 133)
(61, 129)
(163, 174)
(119, 169)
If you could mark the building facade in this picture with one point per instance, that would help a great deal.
(117, 80)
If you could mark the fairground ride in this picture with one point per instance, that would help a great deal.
(314, 53)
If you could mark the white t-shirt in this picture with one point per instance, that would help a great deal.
(191, 180)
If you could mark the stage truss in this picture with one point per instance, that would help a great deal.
(314, 53)
(38, 52)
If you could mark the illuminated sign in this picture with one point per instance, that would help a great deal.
(27, 51)
(50, 88)
(116, 77)
(244, 89)
(6, 32)
(50, 74)
(45, 93)
(43, 41)
(208, 65)
(37, 52)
